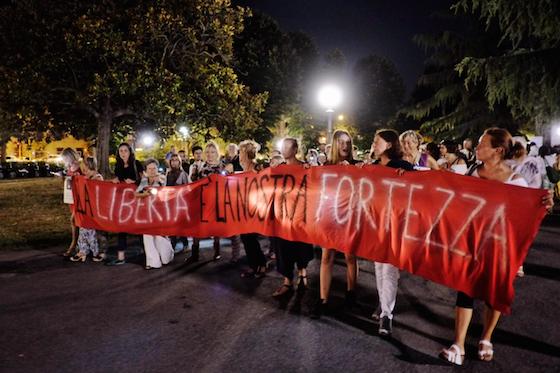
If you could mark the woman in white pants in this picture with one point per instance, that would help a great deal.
(387, 152)
(158, 249)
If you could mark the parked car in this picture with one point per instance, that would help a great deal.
(44, 169)
(9, 170)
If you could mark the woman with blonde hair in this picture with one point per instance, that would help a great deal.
(71, 160)
(410, 143)
(340, 154)
(212, 165)
(87, 238)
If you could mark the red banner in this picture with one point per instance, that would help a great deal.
(459, 231)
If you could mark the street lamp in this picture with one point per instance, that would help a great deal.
(148, 140)
(330, 96)
(184, 131)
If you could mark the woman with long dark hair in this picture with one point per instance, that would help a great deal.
(129, 171)
(386, 150)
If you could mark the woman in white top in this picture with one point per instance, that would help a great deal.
(525, 165)
(454, 161)
(157, 248)
(494, 147)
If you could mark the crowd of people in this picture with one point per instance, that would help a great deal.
(497, 156)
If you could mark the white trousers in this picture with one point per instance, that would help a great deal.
(387, 279)
(158, 250)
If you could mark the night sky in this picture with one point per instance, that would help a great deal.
(361, 27)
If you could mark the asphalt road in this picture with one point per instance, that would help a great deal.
(60, 316)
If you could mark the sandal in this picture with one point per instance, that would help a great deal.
(79, 257)
(452, 355)
(285, 288)
(98, 258)
(485, 350)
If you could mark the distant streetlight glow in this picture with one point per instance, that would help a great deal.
(148, 140)
(279, 144)
(330, 96)
(341, 117)
(184, 131)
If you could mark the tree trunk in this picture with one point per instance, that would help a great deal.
(2, 150)
(104, 122)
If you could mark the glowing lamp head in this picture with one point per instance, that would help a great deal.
(148, 140)
(184, 131)
(330, 96)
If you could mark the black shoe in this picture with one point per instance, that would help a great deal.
(191, 259)
(376, 315)
(318, 310)
(350, 299)
(115, 262)
(385, 326)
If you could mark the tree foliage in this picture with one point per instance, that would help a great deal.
(278, 63)
(442, 103)
(155, 63)
(379, 94)
(525, 74)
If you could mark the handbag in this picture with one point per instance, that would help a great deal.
(68, 196)
(552, 173)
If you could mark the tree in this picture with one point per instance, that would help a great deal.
(280, 64)
(156, 63)
(442, 103)
(525, 74)
(379, 94)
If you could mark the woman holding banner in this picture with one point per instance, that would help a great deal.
(386, 150)
(291, 253)
(127, 170)
(71, 160)
(212, 165)
(495, 146)
(257, 261)
(410, 143)
(177, 176)
(158, 249)
(340, 154)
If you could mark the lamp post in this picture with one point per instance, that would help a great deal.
(330, 96)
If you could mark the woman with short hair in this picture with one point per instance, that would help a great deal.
(410, 144)
(158, 249)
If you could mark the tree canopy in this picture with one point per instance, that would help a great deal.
(159, 64)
